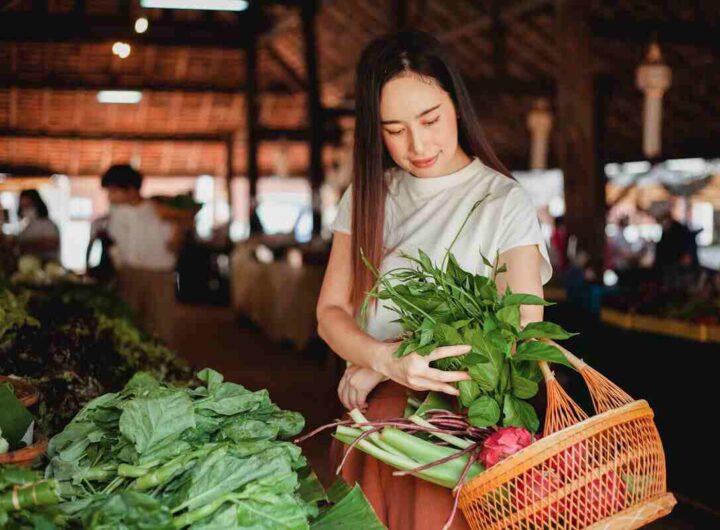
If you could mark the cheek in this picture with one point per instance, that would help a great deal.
(396, 147)
(447, 133)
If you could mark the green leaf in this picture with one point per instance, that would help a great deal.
(540, 351)
(545, 330)
(484, 412)
(447, 335)
(221, 473)
(524, 299)
(522, 387)
(433, 401)
(510, 314)
(353, 512)
(149, 420)
(425, 262)
(469, 391)
(518, 413)
(528, 369)
(128, 510)
(487, 261)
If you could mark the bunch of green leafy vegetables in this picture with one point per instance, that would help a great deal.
(76, 343)
(153, 456)
(445, 305)
(27, 501)
(14, 315)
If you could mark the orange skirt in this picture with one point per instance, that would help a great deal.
(401, 503)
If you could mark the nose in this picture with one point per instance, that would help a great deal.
(417, 142)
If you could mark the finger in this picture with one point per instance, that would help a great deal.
(446, 377)
(343, 395)
(353, 397)
(435, 386)
(449, 351)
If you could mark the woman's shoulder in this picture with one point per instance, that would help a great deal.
(498, 187)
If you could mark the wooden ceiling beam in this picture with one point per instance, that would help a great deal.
(666, 31)
(83, 28)
(266, 135)
(59, 83)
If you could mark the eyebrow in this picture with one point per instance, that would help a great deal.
(423, 113)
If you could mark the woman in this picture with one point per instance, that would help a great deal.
(420, 163)
(38, 236)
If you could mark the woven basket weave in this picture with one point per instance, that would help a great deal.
(600, 472)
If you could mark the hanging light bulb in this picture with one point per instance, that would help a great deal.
(141, 25)
(539, 122)
(653, 78)
(121, 49)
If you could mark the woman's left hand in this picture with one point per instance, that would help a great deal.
(356, 384)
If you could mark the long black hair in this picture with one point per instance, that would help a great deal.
(37, 202)
(383, 60)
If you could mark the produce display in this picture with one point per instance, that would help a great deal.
(30, 270)
(76, 342)
(698, 303)
(135, 446)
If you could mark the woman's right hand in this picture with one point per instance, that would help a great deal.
(413, 370)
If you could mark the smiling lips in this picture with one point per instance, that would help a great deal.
(425, 162)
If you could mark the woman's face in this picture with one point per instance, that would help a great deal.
(420, 126)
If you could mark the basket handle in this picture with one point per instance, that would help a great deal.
(605, 394)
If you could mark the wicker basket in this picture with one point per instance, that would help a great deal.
(607, 471)
(24, 391)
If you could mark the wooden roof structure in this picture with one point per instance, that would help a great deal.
(191, 67)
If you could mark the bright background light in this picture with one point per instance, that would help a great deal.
(141, 25)
(119, 96)
(211, 5)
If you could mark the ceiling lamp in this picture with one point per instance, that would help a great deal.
(141, 25)
(653, 78)
(127, 97)
(210, 5)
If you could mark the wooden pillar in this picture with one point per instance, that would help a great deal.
(402, 15)
(584, 185)
(252, 111)
(230, 171)
(499, 39)
(315, 111)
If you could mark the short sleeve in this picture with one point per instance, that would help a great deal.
(343, 218)
(520, 227)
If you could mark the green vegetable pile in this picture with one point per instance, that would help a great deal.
(445, 305)
(153, 456)
(27, 501)
(76, 342)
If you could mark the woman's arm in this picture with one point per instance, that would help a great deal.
(523, 276)
(336, 323)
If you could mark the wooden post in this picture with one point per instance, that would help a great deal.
(584, 185)
(230, 171)
(402, 15)
(308, 11)
(253, 129)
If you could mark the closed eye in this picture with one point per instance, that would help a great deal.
(394, 132)
(433, 122)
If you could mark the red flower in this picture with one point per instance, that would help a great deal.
(503, 443)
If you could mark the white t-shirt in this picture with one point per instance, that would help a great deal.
(426, 213)
(140, 237)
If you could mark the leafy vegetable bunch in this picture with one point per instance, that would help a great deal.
(444, 305)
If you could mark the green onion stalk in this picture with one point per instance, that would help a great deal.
(442, 448)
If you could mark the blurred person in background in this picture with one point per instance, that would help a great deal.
(39, 236)
(144, 248)
(676, 254)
